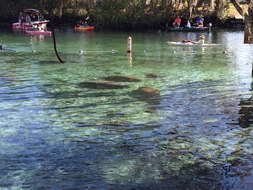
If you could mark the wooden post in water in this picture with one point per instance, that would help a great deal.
(55, 50)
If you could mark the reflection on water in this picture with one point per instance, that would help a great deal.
(193, 132)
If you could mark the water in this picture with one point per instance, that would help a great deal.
(58, 135)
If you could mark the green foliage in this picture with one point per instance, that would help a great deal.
(114, 14)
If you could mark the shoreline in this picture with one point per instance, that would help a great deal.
(231, 23)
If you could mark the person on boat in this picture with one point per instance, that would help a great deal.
(200, 21)
(20, 18)
(82, 23)
(188, 25)
(177, 22)
(28, 19)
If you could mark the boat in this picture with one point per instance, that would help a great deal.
(34, 32)
(191, 29)
(192, 44)
(84, 28)
(37, 21)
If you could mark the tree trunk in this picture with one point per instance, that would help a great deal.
(248, 29)
(60, 8)
(248, 20)
(212, 5)
(191, 5)
(219, 8)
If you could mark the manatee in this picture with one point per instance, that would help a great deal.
(102, 84)
(122, 78)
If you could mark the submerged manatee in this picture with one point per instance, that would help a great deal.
(122, 78)
(102, 84)
(151, 95)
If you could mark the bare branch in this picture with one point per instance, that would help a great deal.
(238, 7)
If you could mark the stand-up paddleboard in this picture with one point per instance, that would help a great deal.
(192, 44)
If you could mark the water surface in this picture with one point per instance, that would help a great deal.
(57, 135)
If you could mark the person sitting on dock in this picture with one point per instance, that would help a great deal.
(177, 22)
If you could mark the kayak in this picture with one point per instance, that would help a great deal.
(190, 44)
(84, 28)
(38, 32)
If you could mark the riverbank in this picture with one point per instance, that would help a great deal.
(229, 23)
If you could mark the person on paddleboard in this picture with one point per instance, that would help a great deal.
(200, 41)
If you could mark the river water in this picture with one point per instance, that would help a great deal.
(56, 134)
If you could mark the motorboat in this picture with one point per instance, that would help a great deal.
(37, 21)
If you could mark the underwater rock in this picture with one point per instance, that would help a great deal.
(151, 95)
(122, 78)
(102, 84)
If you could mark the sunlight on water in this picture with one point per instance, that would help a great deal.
(195, 133)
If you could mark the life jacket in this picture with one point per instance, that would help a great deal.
(186, 41)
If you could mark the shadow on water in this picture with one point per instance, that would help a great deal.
(246, 111)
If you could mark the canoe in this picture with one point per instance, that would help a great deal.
(192, 29)
(191, 44)
(38, 32)
(84, 28)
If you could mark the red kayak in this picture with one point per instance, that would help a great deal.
(84, 28)
(38, 32)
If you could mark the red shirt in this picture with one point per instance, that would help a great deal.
(177, 20)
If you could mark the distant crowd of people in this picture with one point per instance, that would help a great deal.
(199, 22)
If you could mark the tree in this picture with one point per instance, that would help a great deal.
(248, 20)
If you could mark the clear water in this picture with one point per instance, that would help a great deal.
(57, 135)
